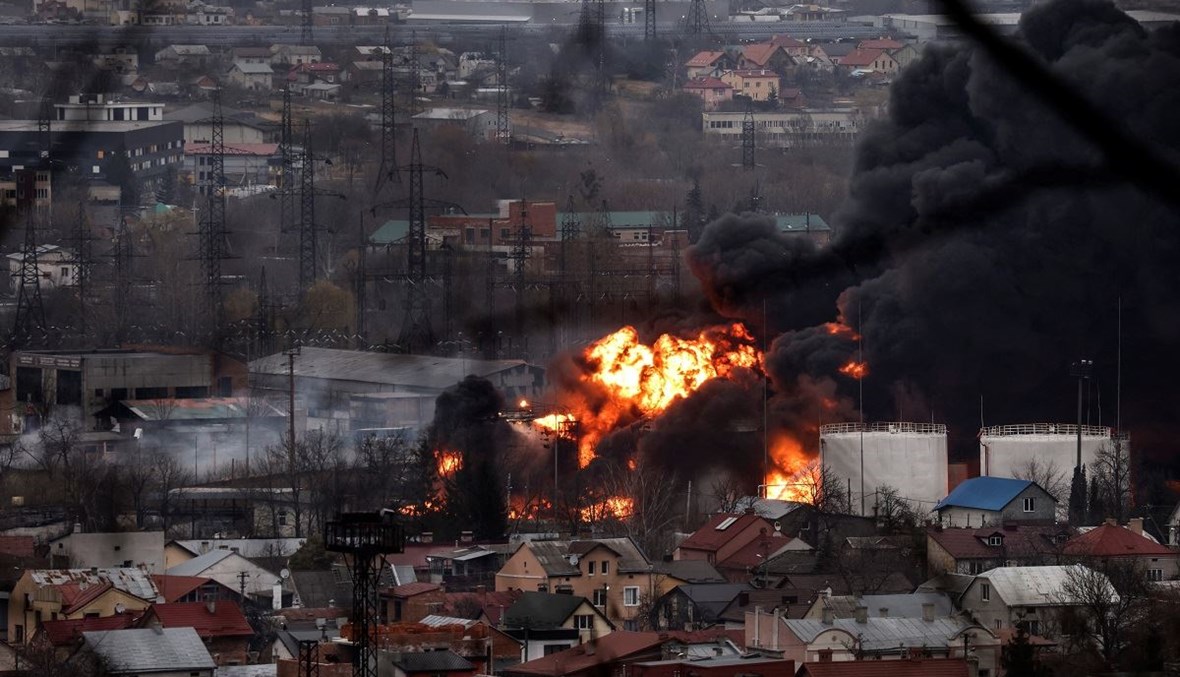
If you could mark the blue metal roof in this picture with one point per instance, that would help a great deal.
(984, 493)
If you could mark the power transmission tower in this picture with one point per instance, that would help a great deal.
(123, 256)
(264, 325)
(748, 138)
(362, 325)
(212, 232)
(307, 226)
(30, 311)
(388, 169)
(417, 334)
(286, 194)
(600, 30)
(83, 261)
(503, 125)
(696, 23)
(649, 20)
(306, 36)
(412, 78)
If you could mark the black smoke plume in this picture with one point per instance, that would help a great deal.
(987, 243)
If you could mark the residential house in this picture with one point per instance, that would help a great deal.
(477, 641)
(906, 55)
(52, 594)
(56, 267)
(411, 602)
(1110, 543)
(191, 589)
(548, 611)
(176, 56)
(151, 651)
(708, 64)
(918, 666)
(466, 568)
(293, 55)
(120, 60)
(807, 12)
(831, 639)
(912, 605)
(991, 501)
(231, 570)
(255, 549)
(619, 652)
(143, 549)
(478, 123)
(833, 52)
(1034, 597)
(363, 74)
(255, 77)
(221, 625)
(805, 587)
(693, 607)
(322, 589)
(712, 91)
(972, 551)
(722, 536)
(765, 56)
(249, 54)
(27, 189)
(205, 14)
(757, 85)
(65, 636)
(771, 601)
(795, 48)
(870, 60)
(311, 73)
(436, 663)
(612, 572)
(887, 44)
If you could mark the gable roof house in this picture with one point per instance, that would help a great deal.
(221, 625)
(550, 611)
(990, 501)
(52, 594)
(973, 551)
(1004, 597)
(226, 567)
(739, 546)
(127, 549)
(615, 653)
(914, 605)
(914, 667)
(710, 90)
(148, 651)
(707, 64)
(611, 572)
(256, 77)
(870, 60)
(765, 56)
(1111, 542)
(691, 607)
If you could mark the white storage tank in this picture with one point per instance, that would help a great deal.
(910, 457)
(1006, 450)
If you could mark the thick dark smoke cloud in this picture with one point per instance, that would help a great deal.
(985, 244)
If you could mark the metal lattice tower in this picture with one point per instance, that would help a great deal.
(84, 263)
(309, 664)
(416, 334)
(30, 311)
(521, 250)
(308, 244)
(571, 227)
(649, 20)
(603, 83)
(212, 229)
(503, 125)
(748, 139)
(697, 22)
(306, 34)
(264, 325)
(412, 83)
(388, 170)
(286, 194)
(364, 538)
(123, 255)
(362, 325)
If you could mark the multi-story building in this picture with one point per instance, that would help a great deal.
(789, 129)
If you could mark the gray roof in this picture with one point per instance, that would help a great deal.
(133, 581)
(1034, 586)
(879, 634)
(899, 606)
(253, 68)
(952, 584)
(689, 571)
(147, 650)
(711, 599)
(197, 565)
(420, 371)
(540, 610)
(323, 589)
(770, 508)
(437, 621)
(431, 661)
(263, 670)
(246, 547)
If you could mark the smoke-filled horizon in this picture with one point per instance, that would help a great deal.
(984, 245)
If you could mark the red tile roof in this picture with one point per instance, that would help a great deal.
(1109, 540)
(68, 632)
(748, 555)
(760, 53)
(74, 596)
(173, 588)
(411, 589)
(703, 59)
(17, 546)
(922, 667)
(1018, 541)
(710, 539)
(706, 83)
(861, 57)
(604, 650)
(224, 620)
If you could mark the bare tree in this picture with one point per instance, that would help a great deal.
(725, 492)
(652, 497)
(1104, 601)
(1110, 476)
(893, 511)
(1049, 477)
(167, 474)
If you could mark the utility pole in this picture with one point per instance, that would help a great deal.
(307, 226)
(30, 311)
(649, 20)
(748, 138)
(212, 232)
(1081, 370)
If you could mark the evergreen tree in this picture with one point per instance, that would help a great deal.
(694, 212)
(1077, 497)
(1019, 656)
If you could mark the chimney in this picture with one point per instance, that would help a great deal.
(466, 536)
(862, 614)
(828, 615)
(1111, 522)
(426, 537)
(1135, 524)
(928, 612)
(883, 612)
(77, 527)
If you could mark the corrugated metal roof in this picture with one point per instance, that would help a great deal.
(801, 223)
(984, 493)
(133, 581)
(437, 621)
(1036, 586)
(415, 371)
(431, 661)
(884, 633)
(246, 547)
(197, 565)
(898, 606)
(197, 408)
(143, 650)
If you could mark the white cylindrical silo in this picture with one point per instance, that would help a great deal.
(1007, 450)
(909, 457)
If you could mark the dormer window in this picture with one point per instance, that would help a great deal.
(995, 539)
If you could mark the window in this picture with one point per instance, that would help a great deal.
(1031, 627)
(605, 567)
(590, 567)
(584, 621)
(1155, 574)
(553, 648)
(599, 597)
(999, 624)
(995, 540)
(20, 634)
(631, 595)
(1029, 504)
(985, 592)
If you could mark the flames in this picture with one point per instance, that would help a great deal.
(789, 478)
(854, 369)
(643, 381)
(447, 462)
(560, 424)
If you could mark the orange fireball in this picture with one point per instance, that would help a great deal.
(447, 462)
(856, 370)
(788, 479)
